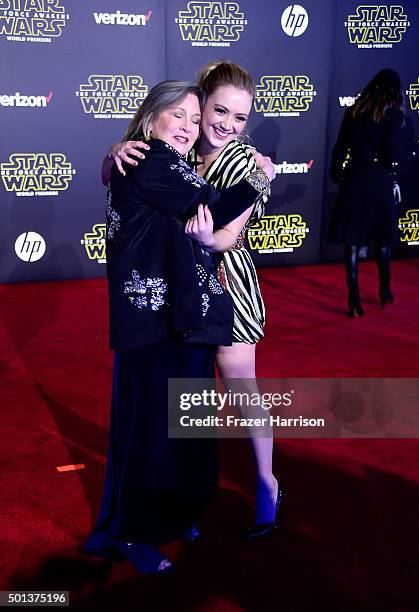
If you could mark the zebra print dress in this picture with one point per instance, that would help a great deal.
(236, 271)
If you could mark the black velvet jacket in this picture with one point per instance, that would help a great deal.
(162, 283)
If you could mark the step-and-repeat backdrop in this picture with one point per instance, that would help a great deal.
(73, 73)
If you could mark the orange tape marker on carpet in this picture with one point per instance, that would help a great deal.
(70, 468)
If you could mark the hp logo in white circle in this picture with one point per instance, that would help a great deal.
(294, 20)
(30, 246)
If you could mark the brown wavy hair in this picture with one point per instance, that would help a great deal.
(384, 91)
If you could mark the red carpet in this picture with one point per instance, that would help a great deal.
(349, 536)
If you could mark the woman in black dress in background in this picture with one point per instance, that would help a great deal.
(168, 313)
(365, 160)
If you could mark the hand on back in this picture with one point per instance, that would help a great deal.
(265, 163)
(128, 152)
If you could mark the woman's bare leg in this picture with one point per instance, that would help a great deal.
(238, 361)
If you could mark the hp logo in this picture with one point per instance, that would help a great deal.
(30, 246)
(294, 20)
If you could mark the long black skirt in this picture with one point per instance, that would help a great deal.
(155, 486)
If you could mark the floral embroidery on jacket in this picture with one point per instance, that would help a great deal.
(187, 173)
(205, 303)
(145, 292)
(113, 220)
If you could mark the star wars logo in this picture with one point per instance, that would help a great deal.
(95, 243)
(278, 234)
(284, 95)
(413, 95)
(409, 228)
(37, 21)
(211, 24)
(112, 96)
(36, 174)
(377, 26)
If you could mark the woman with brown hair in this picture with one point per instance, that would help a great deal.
(168, 313)
(223, 159)
(364, 162)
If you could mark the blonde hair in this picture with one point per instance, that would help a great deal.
(161, 96)
(223, 72)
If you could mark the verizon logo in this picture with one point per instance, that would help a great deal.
(18, 99)
(293, 168)
(119, 18)
(347, 100)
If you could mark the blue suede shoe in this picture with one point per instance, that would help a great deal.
(145, 558)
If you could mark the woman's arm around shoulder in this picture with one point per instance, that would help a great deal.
(119, 152)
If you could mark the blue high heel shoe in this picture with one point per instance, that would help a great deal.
(263, 530)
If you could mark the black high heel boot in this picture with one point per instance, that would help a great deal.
(351, 267)
(383, 258)
(354, 303)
